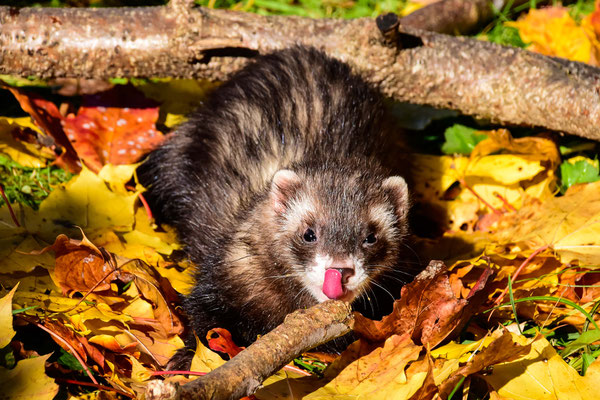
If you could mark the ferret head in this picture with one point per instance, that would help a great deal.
(337, 229)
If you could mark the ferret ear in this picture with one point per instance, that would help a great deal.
(398, 190)
(283, 187)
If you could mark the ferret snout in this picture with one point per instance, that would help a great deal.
(345, 267)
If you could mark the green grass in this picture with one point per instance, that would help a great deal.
(28, 186)
(311, 8)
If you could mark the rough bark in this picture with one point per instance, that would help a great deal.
(244, 373)
(502, 84)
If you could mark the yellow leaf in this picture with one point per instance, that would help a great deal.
(509, 168)
(173, 120)
(543, 375)
(6, 318)
(177, 96)
(25, 122)
(23, 153)
(205, 360)
(378, 375)
(28, 380)
(569, 224)
(117, 176)
(14, 251)
(182, 281)
(462, 352)
(552, 31)
(285, 385)
(139, 373)
(139, 308)
(87, 202)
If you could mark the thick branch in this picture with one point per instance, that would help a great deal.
(477, 78)
(243, 374)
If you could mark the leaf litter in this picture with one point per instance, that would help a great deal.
(511, 308)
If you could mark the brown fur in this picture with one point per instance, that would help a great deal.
(243, 225)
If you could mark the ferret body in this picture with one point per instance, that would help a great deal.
(277, 189)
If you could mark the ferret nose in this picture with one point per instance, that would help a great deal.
(346, 274)
(345, 268)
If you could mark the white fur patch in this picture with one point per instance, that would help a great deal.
(298, 210)
(314, 276)
(383, 216)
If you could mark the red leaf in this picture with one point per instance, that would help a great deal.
(219, 339)
(106, 130)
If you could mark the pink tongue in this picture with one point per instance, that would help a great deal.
(332, 286)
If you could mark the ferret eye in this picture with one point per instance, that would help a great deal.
(370, 239)
(309, 236)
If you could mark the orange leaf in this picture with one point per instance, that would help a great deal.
(219, 339)
(80, 267)
(427, 309)
(106, 131)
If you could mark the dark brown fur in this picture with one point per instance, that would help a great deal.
(297, 110)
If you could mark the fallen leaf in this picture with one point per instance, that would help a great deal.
(116, 136)
(205, 360)
(428, 309)
(502, 349)
(28, 380)
(542, 374)
(381, 374)
(570, 225)
(220, 340)
(80, 267)
(47, 116)
(21, 152)
(552, 32)
(6, 318)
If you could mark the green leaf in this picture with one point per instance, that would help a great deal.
(506, 36)
(585, 339)
(581, 171)
(461, 139)
(68, 360)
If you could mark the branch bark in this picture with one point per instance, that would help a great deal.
(505, 85)
(243, 374)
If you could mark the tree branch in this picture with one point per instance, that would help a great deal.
(502, 84)
(243, 374)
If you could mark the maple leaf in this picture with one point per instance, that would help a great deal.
(380, 374)
(543, 374)
(79, 265)
(499, 174)
(570, 225)
(28, 380)
(428, 309)
(105, 131)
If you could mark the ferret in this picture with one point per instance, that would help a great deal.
(279, 189)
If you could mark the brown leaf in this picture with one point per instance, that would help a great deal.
(80, 266)
(428, 309)
(47, 116)
(78, 342)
